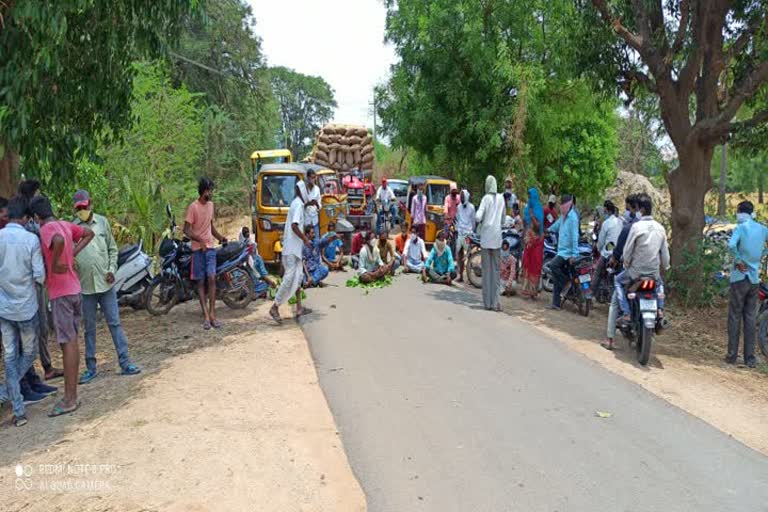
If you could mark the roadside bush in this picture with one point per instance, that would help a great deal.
(708, 261)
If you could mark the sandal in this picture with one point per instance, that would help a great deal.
(207, 325)
(54, 373)
(275, 314)
(60, 409)
(607, 345)
(215, 324)
(303, 311)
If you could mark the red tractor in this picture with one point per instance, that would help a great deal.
(360, 191)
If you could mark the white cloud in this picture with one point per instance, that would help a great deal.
(340, 40)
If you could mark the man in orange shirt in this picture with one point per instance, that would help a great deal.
(451, 206)
(199, 228)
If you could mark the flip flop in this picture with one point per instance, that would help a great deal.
(207, 325)
(59, 409)
(275, 316)
(304, 311)
(215, 324)
(54, 374)
(607, 345)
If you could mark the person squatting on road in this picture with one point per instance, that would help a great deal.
(333, 254)
(465, 226)
(567, 228)
(294, 241)
(490, 218)
(389, 256)
(371, 267)
(414, 252)
(96, 267)
(748, 246)
(440, 267)
(315, 271)
(199, 228)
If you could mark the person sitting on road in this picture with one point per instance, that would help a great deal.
(401, 240)
(646, 253)
(387, 252)
(508, 271)
(333, 254)
(257, 264)
(385, 198)
(371, 268)
(440, 267)
(358, 240)
(414, 252)
(314, 269)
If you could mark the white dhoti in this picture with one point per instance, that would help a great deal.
(294, 273)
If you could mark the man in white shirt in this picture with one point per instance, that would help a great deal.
(294, 241)
(490, 217)
(465, 225)
(414, 253)
(606, 240)
(385, 199)
(311, 213)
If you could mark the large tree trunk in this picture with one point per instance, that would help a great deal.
(688, 186)
(9, 165)
(723, 172)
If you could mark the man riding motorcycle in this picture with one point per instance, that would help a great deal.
(646, 253)
(567, 227)
(385, 198)
(606, 241)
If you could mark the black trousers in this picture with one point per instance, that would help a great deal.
(742, 308)
(559, 268)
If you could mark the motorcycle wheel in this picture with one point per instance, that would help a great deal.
(160, 298)
(644, 345)
(547, 283)
(762, 332)
(474, 269)
(585, 306)
(240, 296)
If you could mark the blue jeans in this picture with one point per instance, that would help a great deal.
(20, 340)
(108, 303)
(320, 273)
(622, 280)
(380, 217)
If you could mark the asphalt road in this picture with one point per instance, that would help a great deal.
(445, 407)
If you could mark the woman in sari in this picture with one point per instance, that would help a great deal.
(533, 259)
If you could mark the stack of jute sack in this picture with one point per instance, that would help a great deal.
(343, 147)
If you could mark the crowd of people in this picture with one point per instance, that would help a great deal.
(55, 273)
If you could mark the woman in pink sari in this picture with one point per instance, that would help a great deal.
(533, 259)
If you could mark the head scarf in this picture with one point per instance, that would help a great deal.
(302, 190)
(534, 206)
(465, 196)
(490, 185)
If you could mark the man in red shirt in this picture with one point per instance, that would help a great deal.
(451, 206)
(550, 212)
(199, 228)
(61, 241)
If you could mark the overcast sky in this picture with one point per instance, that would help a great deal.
(340, 40)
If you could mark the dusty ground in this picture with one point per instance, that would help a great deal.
(223, 421)
(686, 367)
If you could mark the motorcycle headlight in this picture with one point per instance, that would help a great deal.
(266, 225)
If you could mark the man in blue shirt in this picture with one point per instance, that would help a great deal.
(748, 246)
(567, 229)
(314, 268)
(440, 267)
(333, 254)
(21, 265)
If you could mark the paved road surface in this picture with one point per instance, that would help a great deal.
(446, 407)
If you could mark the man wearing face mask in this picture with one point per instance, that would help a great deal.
(96, 267)
(372, 267)
(748, 246)
(419, 212)
(567, 228)
(440, 267)
(465, 225)
(550, 212)
(414, 253)
(311, 214)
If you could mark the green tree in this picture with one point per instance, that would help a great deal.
(703, 60)
(305, 103)
(66, 75)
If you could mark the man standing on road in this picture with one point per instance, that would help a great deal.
(490, 218)
(419, 212)
(550, 212)
(567, 227)
(22, 267)
(385, 200)
(61, 242)
(451, 206)
(748, 246)
(465, 226)
(29, 189)
(311, 210)
(199, 228)
(294, 242)
(96, 267)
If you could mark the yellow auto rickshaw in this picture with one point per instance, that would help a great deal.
(271, 195)
(436, 188)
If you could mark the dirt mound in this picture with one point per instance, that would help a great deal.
(628, 183)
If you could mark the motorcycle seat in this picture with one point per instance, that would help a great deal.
(126, 253)
(228, 252)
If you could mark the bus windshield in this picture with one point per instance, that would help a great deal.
(277, 189)
(436, 194)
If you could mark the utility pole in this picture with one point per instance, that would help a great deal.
(374, 118)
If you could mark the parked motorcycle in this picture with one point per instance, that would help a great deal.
(643, 299)
(762, 320)
(234, 277)
(474, 261)
(133, 276)
(577, 286)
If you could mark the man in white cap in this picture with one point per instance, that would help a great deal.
(550, 212)
(294, 241)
